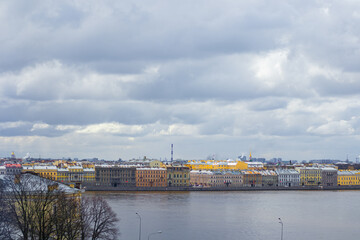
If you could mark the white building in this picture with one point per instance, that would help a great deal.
(288, 177)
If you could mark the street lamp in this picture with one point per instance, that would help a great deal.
(139, 226)
(282, 228)
(158, 232)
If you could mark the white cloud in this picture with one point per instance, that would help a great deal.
(269, 68)
(333, 128)
(180, 129)
(111, 128)
(38, 126)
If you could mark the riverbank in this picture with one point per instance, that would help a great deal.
(298, 188)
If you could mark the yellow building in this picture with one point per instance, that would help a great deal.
(156, 164)
(216, 165)
(178, 176)
(89, 174)
(76, 173)
(45, 171)
(348, 178)
(63, 175)
(310, 176)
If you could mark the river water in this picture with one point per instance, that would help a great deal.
(330, 215)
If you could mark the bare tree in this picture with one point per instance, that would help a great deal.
(43, 202)
(67, 218)
(36, 209)
(18, 203)
(5, 217)
(99, 220)
(30, 201)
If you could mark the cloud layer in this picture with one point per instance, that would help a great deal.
(126, 79)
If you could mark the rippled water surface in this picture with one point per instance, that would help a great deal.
(330, 215)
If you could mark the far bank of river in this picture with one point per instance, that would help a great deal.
(297, 188)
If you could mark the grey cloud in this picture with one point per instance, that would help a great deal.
(30, 129)
(79, 112)
(78, 33)
(336, 87)
(277, 76)
(265, 104)
(327, 33)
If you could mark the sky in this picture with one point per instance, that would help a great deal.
(126, 79)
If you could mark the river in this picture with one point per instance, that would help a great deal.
(330, 215)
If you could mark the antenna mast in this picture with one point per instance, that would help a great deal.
(172, 152)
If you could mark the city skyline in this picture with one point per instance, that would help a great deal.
(125, 79)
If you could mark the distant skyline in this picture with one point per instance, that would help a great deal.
(123, 79)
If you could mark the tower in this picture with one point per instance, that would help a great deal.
(172, 152)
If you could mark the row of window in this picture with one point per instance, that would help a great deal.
(151, 176)
(148, 180)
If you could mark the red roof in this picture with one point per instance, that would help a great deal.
(13, 165)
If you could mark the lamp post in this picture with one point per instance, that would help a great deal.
(282, 228)
(139, 226)
(158, 232)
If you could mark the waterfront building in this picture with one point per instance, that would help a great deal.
(200, 178)
(115, 175)
(89, 174)
(329, 176)
(151, 177)
(348, 178)
(75, 173)
(288, 177)
(310, 176)
(269, 178)
(251, 178)
(63, 175)
(178, 176)
(45, 171)
(215, 179)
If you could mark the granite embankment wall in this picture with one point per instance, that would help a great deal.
(299, 188)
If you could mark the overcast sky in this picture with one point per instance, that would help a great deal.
(126, 79)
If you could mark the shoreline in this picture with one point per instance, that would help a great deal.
(90, 188)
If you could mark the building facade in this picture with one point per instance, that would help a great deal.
(45, 171)
(348, 178)
(115, 176)
(151, 177)
(329, 176)
(2, 170)
(178, 176)
(288, 177)
(216, 165)
(310, 176)
(251, 178)
(13, 169)
(269, 178)
(215, 179)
